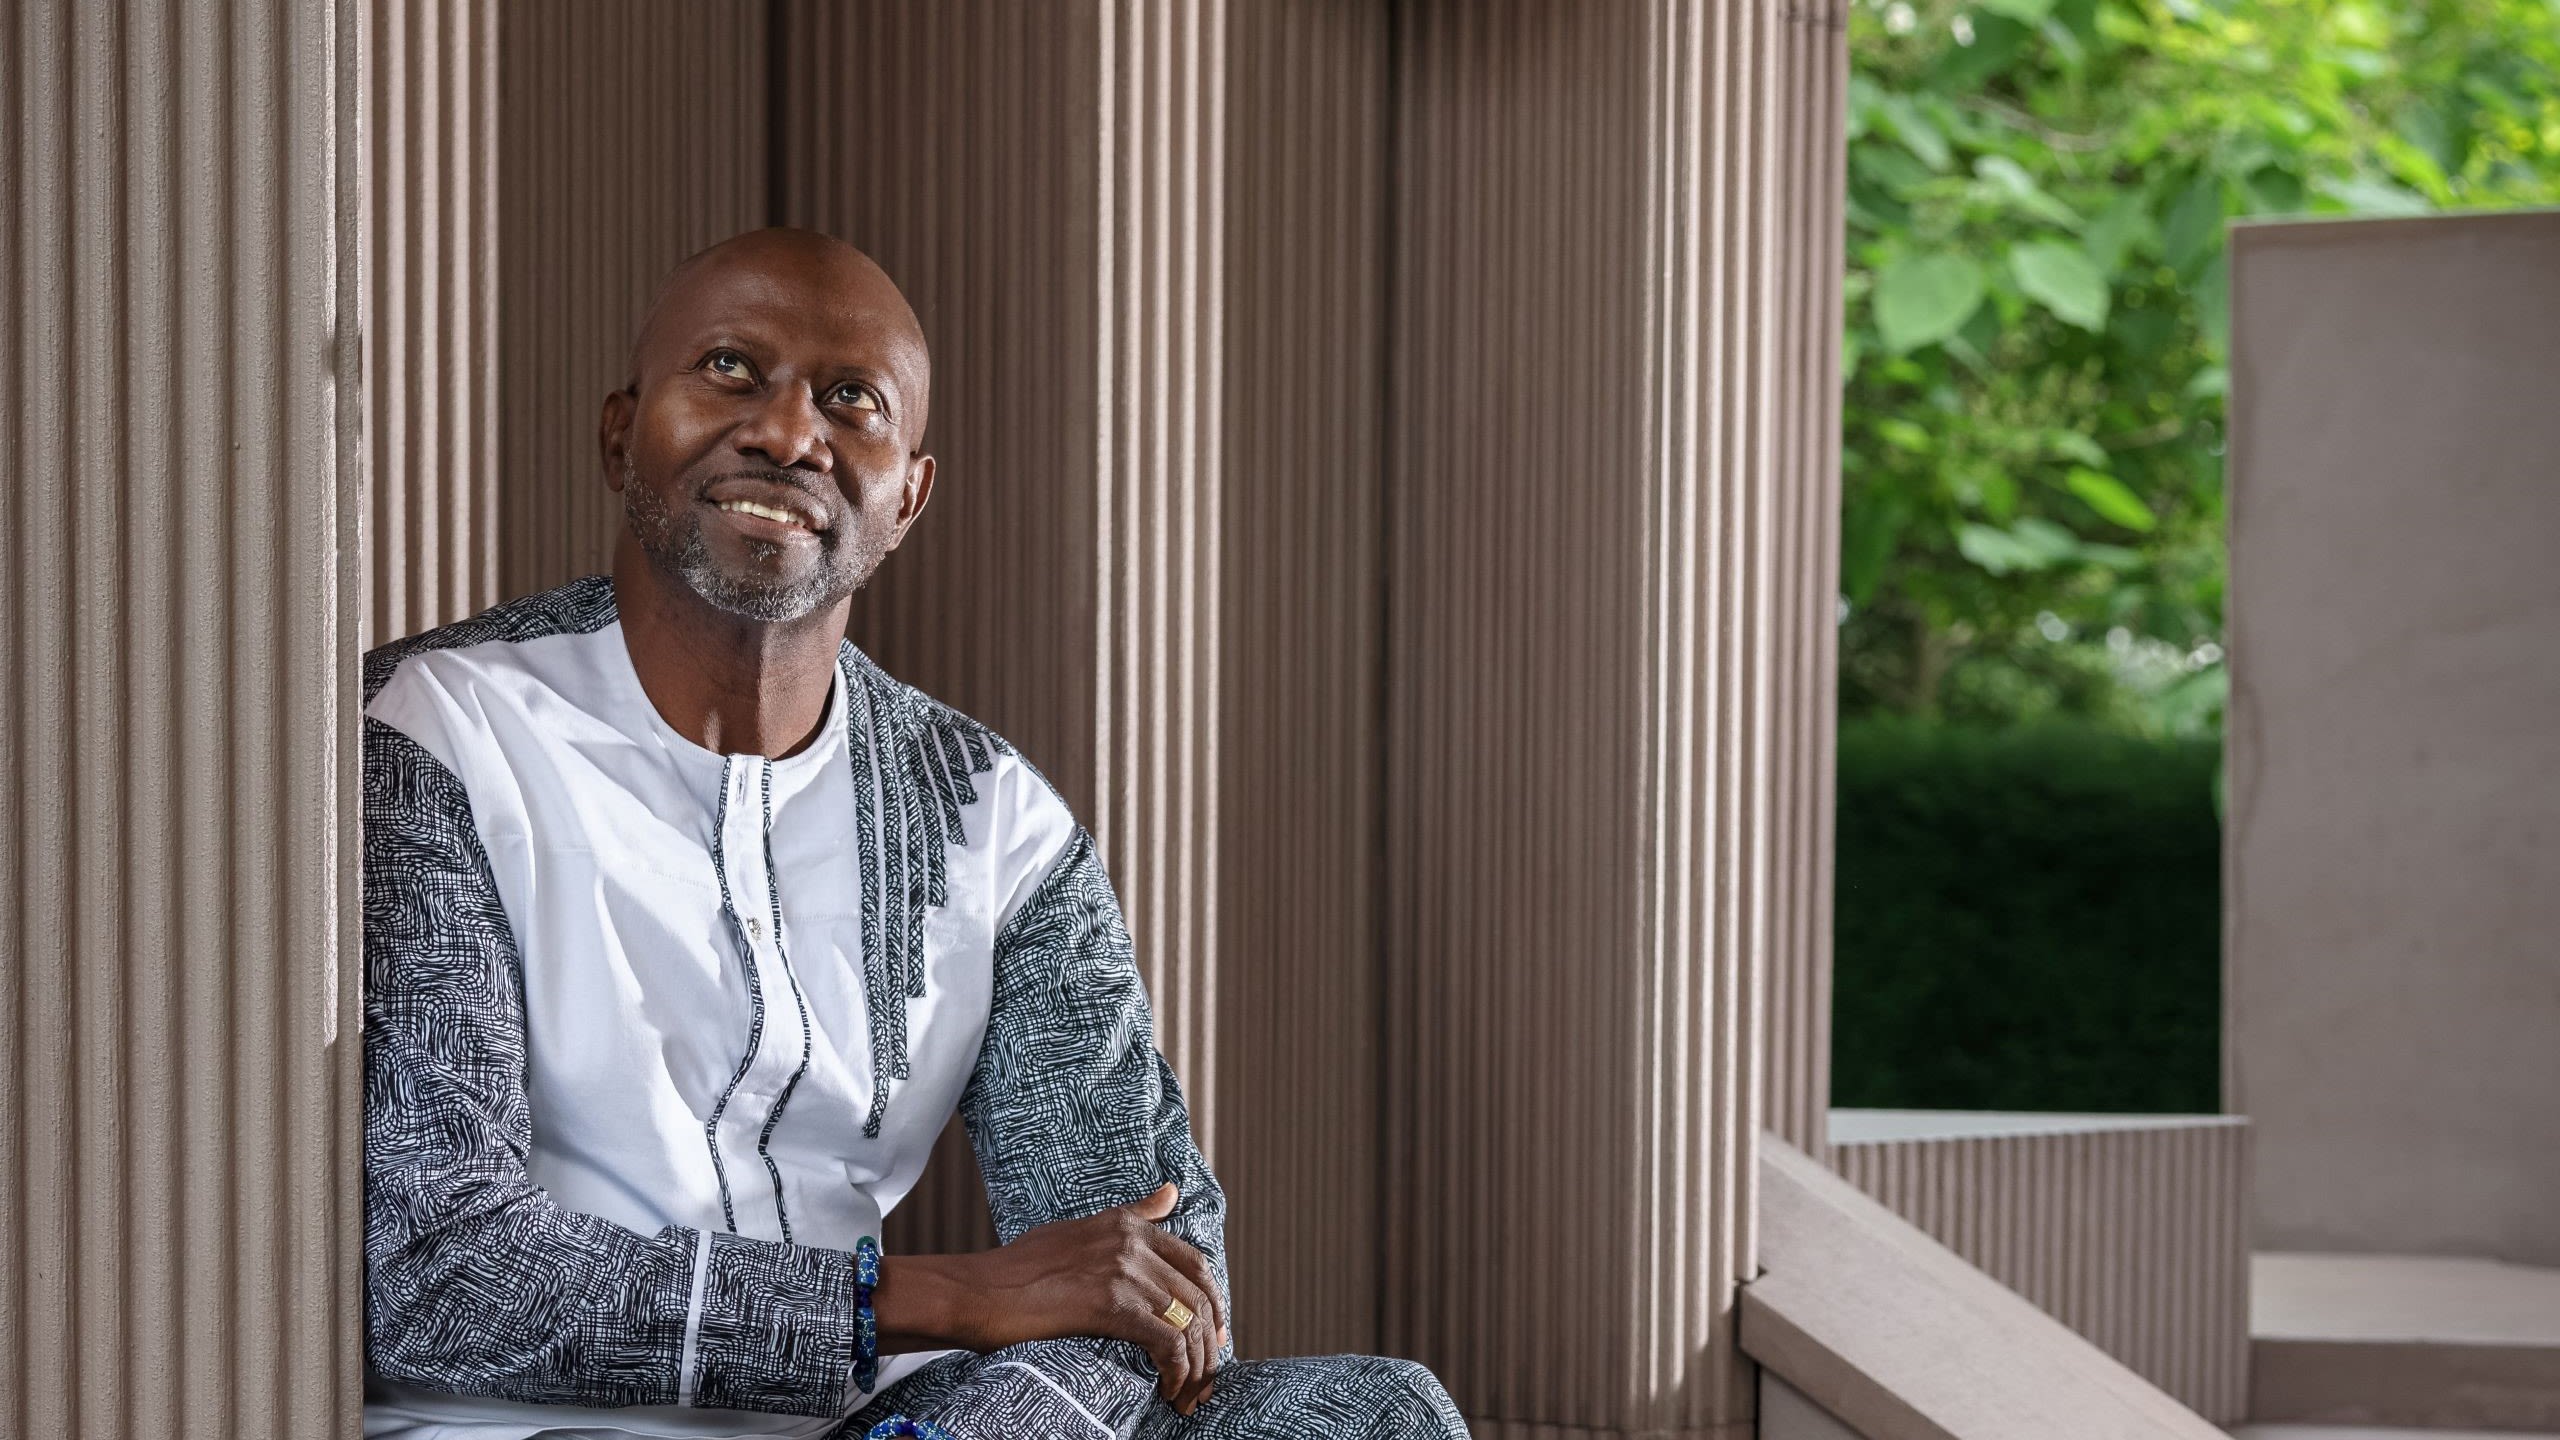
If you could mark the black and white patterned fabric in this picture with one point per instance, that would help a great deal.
(1074, 1390)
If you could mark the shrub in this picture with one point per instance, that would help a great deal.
(2028, 919)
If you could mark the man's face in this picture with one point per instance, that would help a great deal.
(765, 452)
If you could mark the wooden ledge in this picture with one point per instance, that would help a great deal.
(1901, 1340)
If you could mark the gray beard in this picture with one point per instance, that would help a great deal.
(675, 543)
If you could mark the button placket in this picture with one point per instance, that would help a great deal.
(744, 843)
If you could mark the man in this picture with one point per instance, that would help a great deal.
(686, 931)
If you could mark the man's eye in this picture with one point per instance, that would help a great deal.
(726, 362)
(855, 396)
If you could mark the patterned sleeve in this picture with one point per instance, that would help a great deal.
(1072, 1109)
(476, 1281)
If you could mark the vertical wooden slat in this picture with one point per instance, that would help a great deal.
(1299, 975)
(1609, 515)
(179, 422)
(1809, 100)
(1155, 795)
(431, 249)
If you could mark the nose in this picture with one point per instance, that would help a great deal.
(787, 430)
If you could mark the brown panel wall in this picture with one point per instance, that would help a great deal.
(2131, 1230)
(631, 134)
(1300, 769)
(1520, 513)
(431, 309)
(1600, 530)
(179, 429)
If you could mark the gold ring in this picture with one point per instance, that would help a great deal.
(1176, 1314)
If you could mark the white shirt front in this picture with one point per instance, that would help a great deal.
(691, 932)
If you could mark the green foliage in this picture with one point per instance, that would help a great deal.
(2028, 919)
(2037, 320)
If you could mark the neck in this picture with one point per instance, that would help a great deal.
(725, 682)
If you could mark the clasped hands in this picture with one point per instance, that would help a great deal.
(1108, 1274)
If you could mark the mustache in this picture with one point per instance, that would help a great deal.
(816, 487)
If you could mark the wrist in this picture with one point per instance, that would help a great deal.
(923, 1302)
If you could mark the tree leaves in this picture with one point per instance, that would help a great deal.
(2036, 300)
(2372, 195)
(2194, 226)
(2010, 180)
(1923, 299)
(2213, 304)
(2117, 230)
(2064, 280)
(1915, 130)
(2108, 496)
(2030, 544)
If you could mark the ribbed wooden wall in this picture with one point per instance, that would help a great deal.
(1810, 95)
(1523, 541)
(431, 311)
(1601, 538)
(1162, 198)
(179, 429)
(2135, 1235)
(1300, 977)
(631, 133)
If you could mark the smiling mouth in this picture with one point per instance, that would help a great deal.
(774, 513)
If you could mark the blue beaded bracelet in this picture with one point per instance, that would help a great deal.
(899, 1427)
(866, 1329)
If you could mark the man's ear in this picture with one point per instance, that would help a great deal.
(918, 489)
(613, 433)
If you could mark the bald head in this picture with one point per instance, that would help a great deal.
(791, 266)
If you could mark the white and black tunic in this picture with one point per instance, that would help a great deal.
(654, 1034)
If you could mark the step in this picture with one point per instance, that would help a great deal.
(2434, 1343)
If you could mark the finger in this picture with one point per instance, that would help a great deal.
(1196, 1356)
(1193, 1335)
(1204, 1361)
(1159, 1202)
(1175, 1367)
(1171, 1356)
(1195, 1267)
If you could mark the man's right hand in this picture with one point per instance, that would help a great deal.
(1108, 1274)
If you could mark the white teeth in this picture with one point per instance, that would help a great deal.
(749, 507)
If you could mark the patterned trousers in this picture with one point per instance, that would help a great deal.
(1052, 1392)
